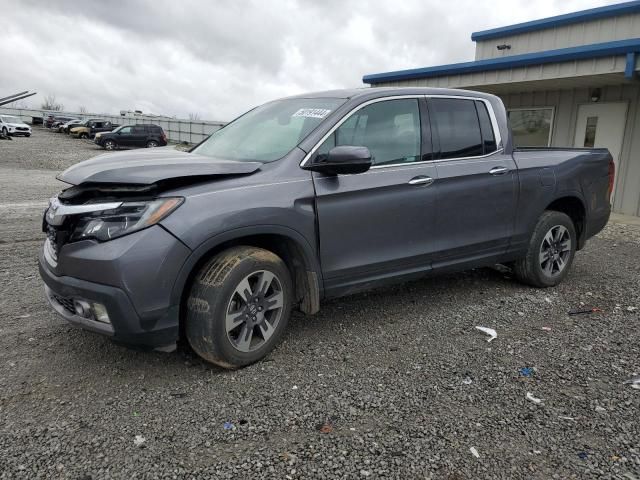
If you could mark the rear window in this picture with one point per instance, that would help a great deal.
(458, 127)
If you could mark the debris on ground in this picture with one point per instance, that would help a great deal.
(139, 440)
(631, 309)
(178, 394)
(564, 417)
(467, 380)
(546, 329)
(228, 426)
(583, 311)
(489, 331)
(474, 452)
(600, 409)
(295, 387)
(526, 371)
(325, 427)
(634, 382)
(583, 455)
(533, 399)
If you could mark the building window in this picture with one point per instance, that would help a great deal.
(531, 127)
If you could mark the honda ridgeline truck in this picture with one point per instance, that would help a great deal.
(307, 198)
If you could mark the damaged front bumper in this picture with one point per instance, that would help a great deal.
(130, 279)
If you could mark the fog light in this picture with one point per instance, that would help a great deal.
(100, 313)
(82, 308)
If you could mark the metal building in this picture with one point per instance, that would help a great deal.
(569, 80)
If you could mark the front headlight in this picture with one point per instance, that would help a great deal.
(127, 218)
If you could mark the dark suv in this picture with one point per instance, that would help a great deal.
(132, 136)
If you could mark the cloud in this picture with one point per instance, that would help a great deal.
(219, 59)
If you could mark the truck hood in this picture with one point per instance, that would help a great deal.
(149, 166)
(17, 124)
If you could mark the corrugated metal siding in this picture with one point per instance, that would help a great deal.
(575, 69)
(585, 33)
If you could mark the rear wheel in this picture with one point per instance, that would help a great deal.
(239, 306)
(110, 145)
(152, 144)
(84, 135)
(552, 248)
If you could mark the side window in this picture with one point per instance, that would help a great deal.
(389, 129)
(125, 130)
(458, 127)
(488, 137)
(139, 131)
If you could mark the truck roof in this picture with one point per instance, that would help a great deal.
(377, 92)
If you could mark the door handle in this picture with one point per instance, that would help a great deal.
(498, 170)
(421, 180)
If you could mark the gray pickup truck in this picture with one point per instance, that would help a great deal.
(306, 198)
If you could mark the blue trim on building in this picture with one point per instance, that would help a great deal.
(560, 20)
(618, 47)
(630, 67)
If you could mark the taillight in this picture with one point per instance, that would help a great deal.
(612, 176)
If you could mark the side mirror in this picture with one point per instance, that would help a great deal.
(342, 160)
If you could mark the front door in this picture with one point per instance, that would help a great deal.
(379, 224)
(602, 125)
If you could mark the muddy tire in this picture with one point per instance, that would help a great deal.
(551, 251)
(238, 306)
(84, 135)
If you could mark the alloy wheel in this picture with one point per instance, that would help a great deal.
(555, 250)
(254, 311)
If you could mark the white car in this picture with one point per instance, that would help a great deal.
(10, 125)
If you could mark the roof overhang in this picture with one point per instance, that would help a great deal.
(557, 21)
(629, 49)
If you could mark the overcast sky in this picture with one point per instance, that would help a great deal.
(218, 59)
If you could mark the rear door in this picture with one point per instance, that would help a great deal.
(477, 182)
(378, 224)
(139, 136)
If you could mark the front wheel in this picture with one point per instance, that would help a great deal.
(552, 248)
(109, 145)
(238, 306)
(84, 135)
(5, 132)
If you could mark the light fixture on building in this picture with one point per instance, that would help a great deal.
(595, 95)
(504, 46)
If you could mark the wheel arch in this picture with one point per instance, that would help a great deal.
(287, 243)
(573, 206)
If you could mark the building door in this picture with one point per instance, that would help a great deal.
(602, 125)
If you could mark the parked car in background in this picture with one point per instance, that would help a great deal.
(10, 125)
(64, 128)
(57, 121)
(311, 197)
(91, 127)
(132, 136)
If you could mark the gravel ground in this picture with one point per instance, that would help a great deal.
(402, 379)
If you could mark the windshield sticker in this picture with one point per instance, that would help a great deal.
(312, 113)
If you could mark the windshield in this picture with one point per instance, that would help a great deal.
(10, 119)
(270, 131)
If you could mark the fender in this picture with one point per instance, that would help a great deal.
(200, 252)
